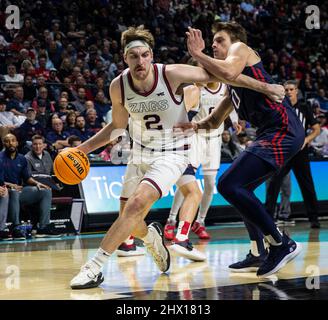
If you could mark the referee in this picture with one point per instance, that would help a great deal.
(300, 163)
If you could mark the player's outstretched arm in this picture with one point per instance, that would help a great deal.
(229, 68)
(114, 129)
(178, 74)
(229, 71)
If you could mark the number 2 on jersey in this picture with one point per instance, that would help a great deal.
(153, 123)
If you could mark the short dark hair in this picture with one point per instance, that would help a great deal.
(234, 29)
(37, 137)
(72, 139)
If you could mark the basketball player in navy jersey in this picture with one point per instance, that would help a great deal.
(279, 137)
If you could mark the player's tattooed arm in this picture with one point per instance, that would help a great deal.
(114, 129)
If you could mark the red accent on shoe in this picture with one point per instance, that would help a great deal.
(169, 231)
(127, 247)
(185, 228)
(200, 231)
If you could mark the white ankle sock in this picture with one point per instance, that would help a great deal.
(99, 259)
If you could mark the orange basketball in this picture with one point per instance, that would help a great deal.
(71, 166)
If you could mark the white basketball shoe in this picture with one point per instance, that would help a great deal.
(88, 277)
(157, 247)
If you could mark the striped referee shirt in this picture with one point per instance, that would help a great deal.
(305, 114)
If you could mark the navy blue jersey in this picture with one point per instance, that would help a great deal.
(279, 131)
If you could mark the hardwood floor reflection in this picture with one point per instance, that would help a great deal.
(43, 269)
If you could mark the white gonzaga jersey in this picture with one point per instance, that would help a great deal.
(207, 102)
(153, 114)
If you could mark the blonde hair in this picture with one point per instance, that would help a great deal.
(138, 33)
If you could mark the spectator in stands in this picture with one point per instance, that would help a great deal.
(42, 114)
(16, 104)
(12, 75)
(70, 122)
(92, 122)
(26, 67)
(79, 103)
(29, 89)
(89, 77)
(65, 69)
(320, 142)
(53, 85)
(242, 140)
(40, 82)
(101, 105)
(82, 132)
(42, 69)
(57, 137)
(24, 190)
(74, 141)
(229, 149)
(64, 108)
(100, 85)
(323, 100)
(40, 167)
(81, 83)
(76, 72)
(4, 201)
(54, 52)
(67, 87)
(38, 159)
(88, 105)
(28, 129)
(43, 98)
(8, 121)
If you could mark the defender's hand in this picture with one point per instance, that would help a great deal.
(276, 92)
(195, 41)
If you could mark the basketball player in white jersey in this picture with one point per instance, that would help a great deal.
(205, 151)
(146, 93)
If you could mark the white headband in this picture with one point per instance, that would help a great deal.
(136, 43)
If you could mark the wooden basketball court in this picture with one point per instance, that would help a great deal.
(41, 269)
